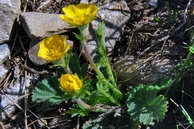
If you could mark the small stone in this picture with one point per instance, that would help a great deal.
(115, 16)
(59, 1)
(3, 71)
(84, 1)
(158, 70)
(135, 72)
(9, 9)
(7, 106)
(41, 25)
(153, 3)
(4, 52)
(32, 54)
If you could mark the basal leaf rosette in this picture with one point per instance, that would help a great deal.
(53, 48)
(70, 83)
(145, 105)
(48, 90)
(79, 15)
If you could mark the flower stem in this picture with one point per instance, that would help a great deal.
(95, 68)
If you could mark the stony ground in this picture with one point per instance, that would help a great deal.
(145, 38)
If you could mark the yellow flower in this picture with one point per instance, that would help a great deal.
(70, 82)
(53, 48)
(80, 14)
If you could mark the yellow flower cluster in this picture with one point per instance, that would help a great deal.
(70, 83)
(53, 48)
(79, 15)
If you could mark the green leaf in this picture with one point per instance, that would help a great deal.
(157, 19)
(103, 62)
(105, 91)
(76, 67)
(107, 84)
(64, 63)
(145, 106)
(48, 91)
(78, 110)
(78, 36)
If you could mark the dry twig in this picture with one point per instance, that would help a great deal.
(44, 4)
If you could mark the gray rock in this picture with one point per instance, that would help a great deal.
(153, 3)
(3, 71)
(7, 105)
(11, 95)
(9, 10)
(135, 72)
(32, 54)
(15, 4)
(158, 70)
(115, 15)
(40, 25)
(4, 52)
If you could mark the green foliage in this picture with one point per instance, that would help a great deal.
(93, 96)
(103, 61)
(76, 67)
(106, 84)
(81, 37)
(104, 90)
(145, 106)
(78, 36)
(48, 91)
(78, 110)
(63, 62)
(157, 19)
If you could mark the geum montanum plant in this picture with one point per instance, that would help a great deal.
(88, 93)
(75, 84)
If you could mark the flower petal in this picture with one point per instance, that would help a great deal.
(69, 11)
(79, 15)
(70, 82)
(53, 48)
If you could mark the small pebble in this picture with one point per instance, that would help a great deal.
(153, 3)
(3, 71)
(4, 52)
